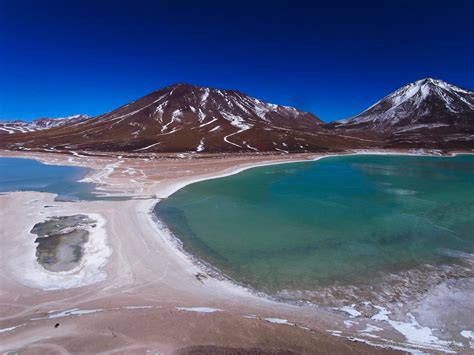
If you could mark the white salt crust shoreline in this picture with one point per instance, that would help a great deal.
(146, 208)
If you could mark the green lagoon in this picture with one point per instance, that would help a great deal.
(338, 221)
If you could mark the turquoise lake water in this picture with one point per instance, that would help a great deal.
(340, 220)
(30, 175)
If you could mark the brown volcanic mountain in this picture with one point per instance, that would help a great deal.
(184, 118)
(427, 113)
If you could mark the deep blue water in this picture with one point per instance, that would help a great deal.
(30, 175)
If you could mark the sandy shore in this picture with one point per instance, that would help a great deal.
(137, 292)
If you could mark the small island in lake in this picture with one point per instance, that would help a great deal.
(61, 241)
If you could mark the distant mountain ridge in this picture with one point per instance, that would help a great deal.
(19, 126)
(428, 113)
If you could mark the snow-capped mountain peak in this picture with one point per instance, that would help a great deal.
(426, 101)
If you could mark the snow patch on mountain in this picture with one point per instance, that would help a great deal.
(200, 147)
(236, 121)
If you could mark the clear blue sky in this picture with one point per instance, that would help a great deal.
(333, 59)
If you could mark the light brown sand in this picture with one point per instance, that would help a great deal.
(133, 305)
